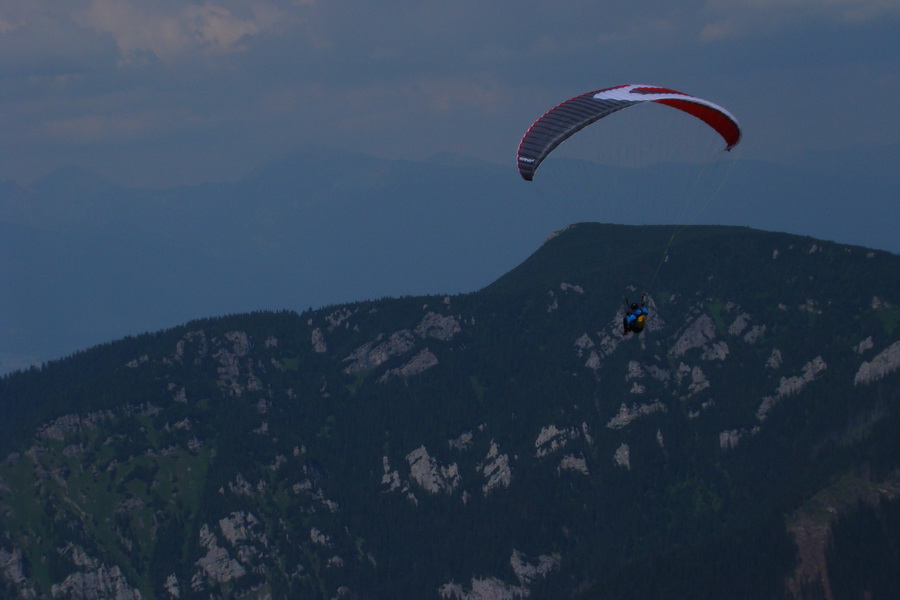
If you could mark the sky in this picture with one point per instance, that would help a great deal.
(176, 92)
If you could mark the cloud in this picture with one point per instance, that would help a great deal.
(167, 29)
(743, 18)
(235, 81)
(50, 44)
(170, 30)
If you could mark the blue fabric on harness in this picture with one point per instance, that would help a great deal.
(631, 318)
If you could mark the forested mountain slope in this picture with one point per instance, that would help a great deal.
(507, 443)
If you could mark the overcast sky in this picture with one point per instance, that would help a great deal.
(178, 91)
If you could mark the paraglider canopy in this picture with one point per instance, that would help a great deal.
(563, 121)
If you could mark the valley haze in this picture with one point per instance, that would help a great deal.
(87, 260)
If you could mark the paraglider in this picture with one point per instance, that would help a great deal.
(562, 122)
(635, 316)
(568, 118)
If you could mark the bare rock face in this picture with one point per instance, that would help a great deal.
(317, 338)
(425, 359)
(94, 580)
(698, 334)
(622, 457)
(439, 327)
(339, 318)
(694, 377)
(728, 440)
(496, 469)
(527, 572)
(570, 462)
(66, 425)
(494, 588)
(791, 385)
(428, 474)
(379, 351)
(628, 414)
(462, 442)
(885, 362)
(217, 566)
(239, 527)
(551, 439)
(375, 353)
(11, 566)
(193, 347)
(391, 477)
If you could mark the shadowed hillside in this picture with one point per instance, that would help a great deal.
(499, 444)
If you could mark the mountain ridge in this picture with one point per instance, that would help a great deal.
(507, 442)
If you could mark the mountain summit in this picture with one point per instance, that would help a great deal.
(507, 443)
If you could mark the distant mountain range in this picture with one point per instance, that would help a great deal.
(507, 443)
(86, 261)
